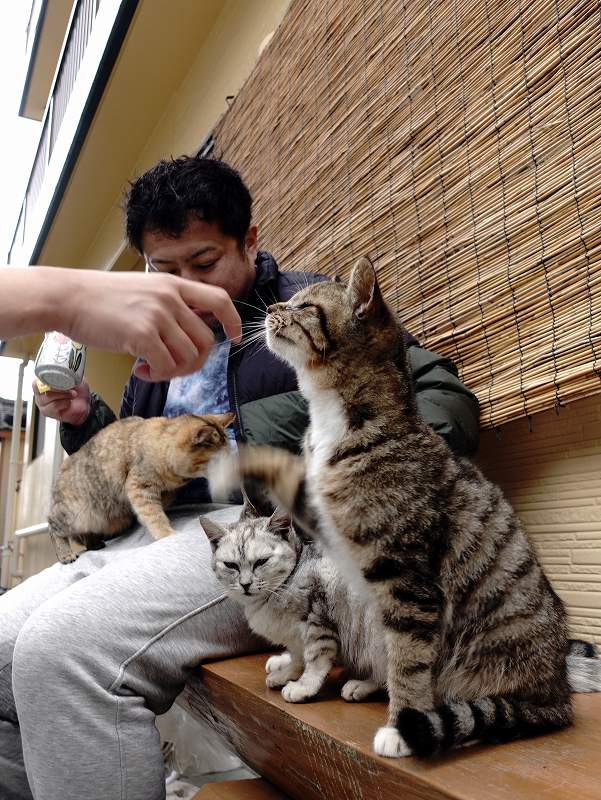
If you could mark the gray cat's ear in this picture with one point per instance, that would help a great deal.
(213, 530)
(364, 292)
(280, 522)
(249, 511)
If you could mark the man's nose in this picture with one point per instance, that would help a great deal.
(187, 271)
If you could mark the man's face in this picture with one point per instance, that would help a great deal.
(202, 253)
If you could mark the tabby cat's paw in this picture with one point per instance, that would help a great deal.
(389, 743)
(297, 692)
(276, 663)
(354, 690)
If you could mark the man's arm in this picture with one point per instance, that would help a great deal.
(149, 316)
(73, 437)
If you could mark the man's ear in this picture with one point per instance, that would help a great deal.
(280, 523)
(364, 292)
(251, 244)
(213, 530)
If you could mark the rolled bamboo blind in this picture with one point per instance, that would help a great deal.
(456, 144)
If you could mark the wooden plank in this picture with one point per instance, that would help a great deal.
(322, 750)
(256, 789)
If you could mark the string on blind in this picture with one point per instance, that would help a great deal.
(455, 143)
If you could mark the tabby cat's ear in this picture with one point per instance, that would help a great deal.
(249, 511)
(363, 291)
(213, 530)
(280, 522)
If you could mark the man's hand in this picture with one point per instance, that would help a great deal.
(150, 316)
(153, 317)
(72, 406)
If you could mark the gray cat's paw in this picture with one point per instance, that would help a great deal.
(275, 680)
(297, 692)
(276, 663)
(389, 743)
(354, 690)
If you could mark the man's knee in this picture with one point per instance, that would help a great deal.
(51, 649)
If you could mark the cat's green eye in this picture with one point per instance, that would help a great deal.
(231, 565)
(260, 562)
(301, 306)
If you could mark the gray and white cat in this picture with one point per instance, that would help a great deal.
(294, 597)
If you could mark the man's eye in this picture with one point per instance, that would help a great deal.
(205, 266)
(260, 562)
(231, 565)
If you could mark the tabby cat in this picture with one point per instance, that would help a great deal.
(476, 637)
(130, 467)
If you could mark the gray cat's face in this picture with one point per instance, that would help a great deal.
(252, 557)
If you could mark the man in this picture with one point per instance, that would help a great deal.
(100, 646)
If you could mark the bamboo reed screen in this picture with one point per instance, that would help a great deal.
(456, 144)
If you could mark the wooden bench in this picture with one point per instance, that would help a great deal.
(322, 750)
(239, 790)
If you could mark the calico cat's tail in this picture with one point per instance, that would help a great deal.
(281, 472)
(489, 719)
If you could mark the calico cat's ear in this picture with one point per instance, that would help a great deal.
(213, 530)
(280, 522)
(225, 419)
(364, 292)
(249, 511)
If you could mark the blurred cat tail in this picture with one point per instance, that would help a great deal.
(281, 472)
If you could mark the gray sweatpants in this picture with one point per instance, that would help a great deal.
(91, 651)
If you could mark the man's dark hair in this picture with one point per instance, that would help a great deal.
(164, 198)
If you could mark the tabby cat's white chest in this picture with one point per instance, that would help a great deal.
(329, 424)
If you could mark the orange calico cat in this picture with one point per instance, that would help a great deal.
(132, 466)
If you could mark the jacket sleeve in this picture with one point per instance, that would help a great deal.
(444, 402)
(73, 437)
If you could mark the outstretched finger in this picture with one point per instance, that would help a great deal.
(158, 364)
(218, 302)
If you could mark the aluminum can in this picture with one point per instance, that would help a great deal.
(60, 361)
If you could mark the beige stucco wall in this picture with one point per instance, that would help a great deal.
(222, 65)
(553, 478)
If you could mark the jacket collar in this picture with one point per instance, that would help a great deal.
(267, 268)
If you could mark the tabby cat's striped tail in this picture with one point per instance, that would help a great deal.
(584, 667)
(489, 719)
(281, 472)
